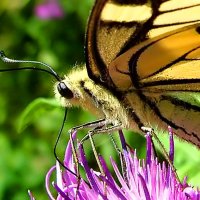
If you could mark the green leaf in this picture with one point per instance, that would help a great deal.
(187, 161)
(34, 110)
(186, 158)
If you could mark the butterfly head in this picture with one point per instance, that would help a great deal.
(69, 90)
(64, 91)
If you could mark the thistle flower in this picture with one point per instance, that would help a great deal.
(148, 179)
(50, 9)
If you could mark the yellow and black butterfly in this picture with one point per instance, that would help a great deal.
(142, 67)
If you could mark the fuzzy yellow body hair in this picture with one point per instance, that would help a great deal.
(94, 98)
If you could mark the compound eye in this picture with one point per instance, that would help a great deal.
(64, 90)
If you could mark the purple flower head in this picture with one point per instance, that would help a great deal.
(51, 9)
(149, 180)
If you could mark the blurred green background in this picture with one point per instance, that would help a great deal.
(28, 126)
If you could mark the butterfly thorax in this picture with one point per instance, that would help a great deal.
(93, 97)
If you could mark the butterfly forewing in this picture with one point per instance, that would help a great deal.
(116, 26)
(110, 30)
(174, 14)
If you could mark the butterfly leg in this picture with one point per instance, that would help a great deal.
(97, 130)
(98, 123)
(99, 126)
(120, 153)
(108, 130)
(164, 151)
(153, 134)
(102, 129)
(94, 124)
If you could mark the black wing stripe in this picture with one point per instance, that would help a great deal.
(169, 82)
(180, 103)
(174, 24)
(179, 59)
(178, 9)
(183, 105)
(91, 46)
(162, 118)
(111, 24)
(153, 106)
(129, 2)
(135, 57)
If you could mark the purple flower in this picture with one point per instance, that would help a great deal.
(51, 9)
(143, 179)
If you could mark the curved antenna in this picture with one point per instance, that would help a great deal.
(49, 69)
(55, 147)
(56, 144)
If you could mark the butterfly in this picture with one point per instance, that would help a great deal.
(142, 67)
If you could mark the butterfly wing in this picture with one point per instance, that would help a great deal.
(115, 26)
(161, 81)
(108, 33)
(148, 55)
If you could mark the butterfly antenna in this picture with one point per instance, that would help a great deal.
(56, 144)
(47, 68)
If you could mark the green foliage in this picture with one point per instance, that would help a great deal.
(26, 157)
(34, 110)
(186, 159)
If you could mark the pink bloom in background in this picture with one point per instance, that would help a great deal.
(50, 9)
(144, 180)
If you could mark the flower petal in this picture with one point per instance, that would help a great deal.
(47, 181)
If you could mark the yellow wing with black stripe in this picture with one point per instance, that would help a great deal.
(115, 26)
(160, 80)
(148, 54)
